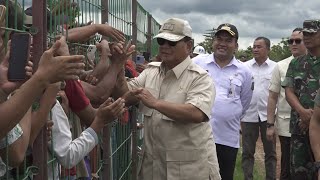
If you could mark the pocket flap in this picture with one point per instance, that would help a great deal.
(184, 155)
(267, 76)
(236, 82)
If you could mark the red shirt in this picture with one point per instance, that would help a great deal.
(76, 96)
(131, 68)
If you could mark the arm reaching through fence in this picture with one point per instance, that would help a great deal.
(82, 34)
(69, 152)
(51, 69)
(15, 109)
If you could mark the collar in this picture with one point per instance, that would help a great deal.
(178, 69)
(268, 61)
(314, 59)
(211, 59)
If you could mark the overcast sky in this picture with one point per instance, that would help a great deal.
(273, 18)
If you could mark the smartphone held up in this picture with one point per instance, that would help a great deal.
(19, 55)
(139, 59)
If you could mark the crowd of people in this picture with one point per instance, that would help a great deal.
(264, 98)
(194, 104)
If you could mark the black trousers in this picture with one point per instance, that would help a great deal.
(227, 159)
(285, 158)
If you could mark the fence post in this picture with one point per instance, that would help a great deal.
(104, 11)
(39, 19)
(134, 144)
(134, 26)
(106, 174)
(134, 121)
(149, 35)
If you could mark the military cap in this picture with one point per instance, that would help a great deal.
(311, 26)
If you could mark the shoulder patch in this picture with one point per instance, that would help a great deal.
(196, 68)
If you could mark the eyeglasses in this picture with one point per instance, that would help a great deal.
(297, 41)
(163, 41)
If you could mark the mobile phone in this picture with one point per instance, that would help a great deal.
(139, 59)
(19, 55)
(91, 52)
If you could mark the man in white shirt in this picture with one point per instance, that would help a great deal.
(277, 95)
(233, 82)
(255, 119)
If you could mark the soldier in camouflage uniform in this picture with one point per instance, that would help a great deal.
(315, 133)
(315, 119)
(301, 85)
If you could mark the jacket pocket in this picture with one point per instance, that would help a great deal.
(178, 98)
(187, 165)
(266, 78)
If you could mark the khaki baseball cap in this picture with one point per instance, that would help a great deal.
(175, 29)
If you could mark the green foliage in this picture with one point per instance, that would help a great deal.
(280, 51)
(207, 43)
(65, 8)
(245, 53)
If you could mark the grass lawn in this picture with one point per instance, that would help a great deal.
(258, 170)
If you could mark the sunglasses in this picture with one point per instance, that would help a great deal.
(297, 41)
(163, 41)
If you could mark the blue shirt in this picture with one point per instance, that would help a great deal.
(233, 95)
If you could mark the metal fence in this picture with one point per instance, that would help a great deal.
(116, 155)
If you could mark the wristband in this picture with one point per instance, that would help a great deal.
(269, 125)
(316, 166)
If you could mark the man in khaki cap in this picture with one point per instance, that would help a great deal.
(175, 97)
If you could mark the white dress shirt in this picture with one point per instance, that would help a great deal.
(233, 95)
(261, 78)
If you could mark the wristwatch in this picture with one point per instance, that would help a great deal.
(316, 165)
(270, 125)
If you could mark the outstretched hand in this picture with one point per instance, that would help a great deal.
(121, 52)
(53, 69)
(145, 97)
(110, 110)
(109, 31)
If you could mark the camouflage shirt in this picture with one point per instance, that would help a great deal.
(303, 76)
(317, 99)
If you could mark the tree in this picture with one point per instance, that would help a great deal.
(280, 51)
(245, 54)
(207, 43)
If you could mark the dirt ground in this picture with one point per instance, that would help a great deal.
(259, 157)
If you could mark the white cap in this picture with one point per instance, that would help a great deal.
(174, 29)
(199, 50)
